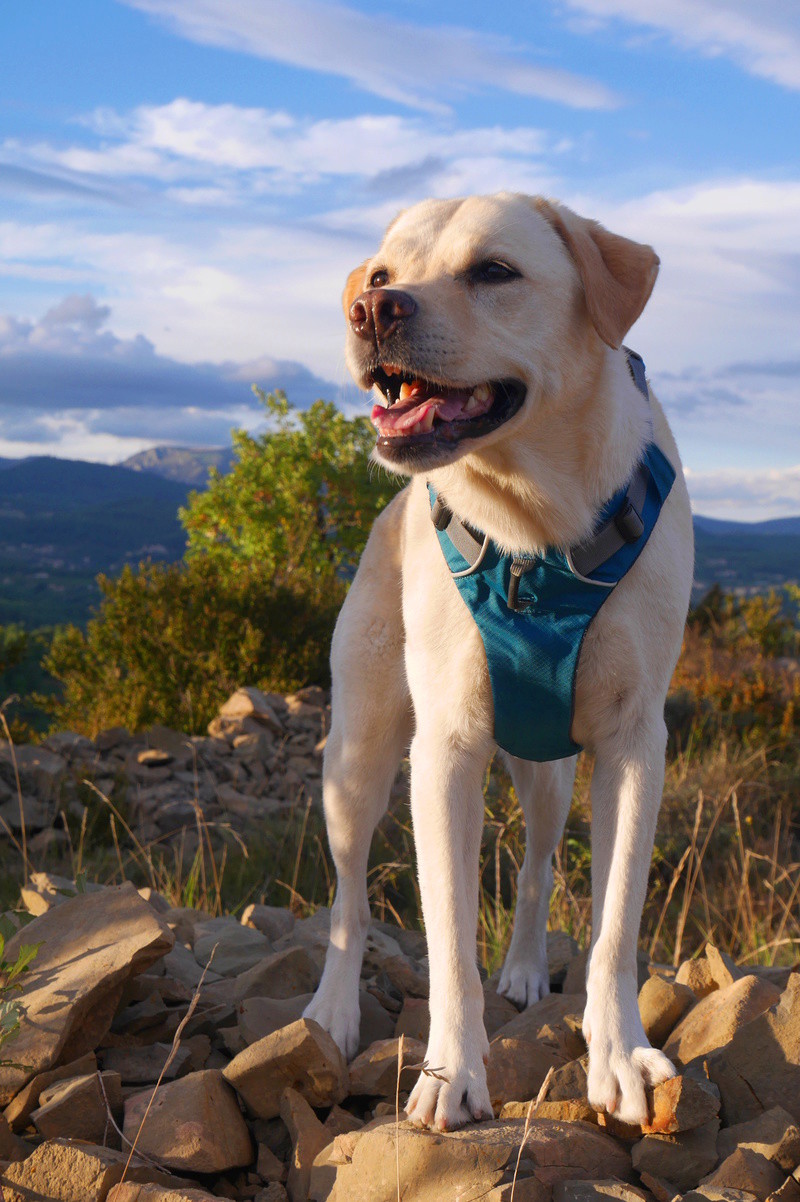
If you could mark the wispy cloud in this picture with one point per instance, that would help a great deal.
(745, 495)
(762, 37)
(417, 66)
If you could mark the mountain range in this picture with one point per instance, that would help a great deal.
(64, 521)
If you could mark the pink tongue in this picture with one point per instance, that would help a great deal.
(404, 415)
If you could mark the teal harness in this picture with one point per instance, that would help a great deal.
(533, 612)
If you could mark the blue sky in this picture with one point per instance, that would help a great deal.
(184, 185)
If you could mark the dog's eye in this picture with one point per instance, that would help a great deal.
(379, 279)
(492, 272)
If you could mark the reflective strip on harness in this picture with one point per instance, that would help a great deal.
(533, 612)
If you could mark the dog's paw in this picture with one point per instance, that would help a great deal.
(340, 1020)
(453, 1092)
(618, 1077)
(523, 983)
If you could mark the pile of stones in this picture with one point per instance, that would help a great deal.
(162, 1057)
(262, 755)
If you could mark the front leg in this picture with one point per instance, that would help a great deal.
(447, 809)
(626, 795)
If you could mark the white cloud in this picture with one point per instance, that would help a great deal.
(746, 496)
(761, 36)
(413, 65)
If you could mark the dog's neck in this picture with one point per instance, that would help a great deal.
(546, 487)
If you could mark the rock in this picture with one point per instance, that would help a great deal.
(251, 703)
(682, 1159)
(760, 1067)
(724, 969)
(153, 757)
(40, 770)
(268, 1167)
(681, 1104)
(435, 1166)
(716, 1193)
(697, 975)
(271, 921)
(90, 946)
(76, 1109)
(556, 1013)
(238, 948)
(302, 1056)
(570, 1110)
(517, 1067)
(62, 1171)
(747, 1170)
(498, 1011)
(19, 1111)
(308, 1137)
(788, 1192)
(142, 1066)
(374, 1072)
(662, 1004)
(414, 1019)
(259, 1017)
(339, 1121)
(130, 1192)
(194, 1123)
(595, 1191)
(561, 951)
(281, 975)
(773, 1134)
(181, 966)
(273, 1193)
(716, 1018)
(46, 889)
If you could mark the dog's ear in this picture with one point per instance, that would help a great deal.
(354, 286)
(617, 274)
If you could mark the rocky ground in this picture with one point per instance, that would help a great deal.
(161, 1055)
(257, 1103)
(262, 754)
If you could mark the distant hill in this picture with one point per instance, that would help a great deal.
(64, 521)
(189, 465)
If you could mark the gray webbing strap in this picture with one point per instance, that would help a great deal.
(605, 542)
(623, 527)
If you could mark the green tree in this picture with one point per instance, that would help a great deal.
(272, 546)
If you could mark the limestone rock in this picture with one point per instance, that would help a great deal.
(662, 1004)
(143, 1066)
(716, 1019)
(681, 1104)
(302, 1056)
(374, 1072)
(46, 889)
(76, 1108)
(774, 1134)
(716, 1193)
(698, 976)
(596, 1191)
(272, 921)
(194, 1123)
(259, 1017)
(273, 1193)
(238, 948)
(561, 951)
(62, 1171)
(682, 1159)
(284, 974)
(19, 1111)
(760, 1067)
(130, 1192)
(498, 1011)
(747, 1170)
(556, 1012)
(91, 945)
(268, 1166)
(724, 968)
(517, 1067)
(308, 1137)
(469, 1163)
(251, 703)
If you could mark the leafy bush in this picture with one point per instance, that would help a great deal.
(272, 545)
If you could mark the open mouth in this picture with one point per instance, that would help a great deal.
(421, 413)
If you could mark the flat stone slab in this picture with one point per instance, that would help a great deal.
(90, 946)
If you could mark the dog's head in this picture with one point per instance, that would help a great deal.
(472, 313)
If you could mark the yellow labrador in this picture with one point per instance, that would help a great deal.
(491, 329)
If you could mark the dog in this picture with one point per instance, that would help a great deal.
(491, 330)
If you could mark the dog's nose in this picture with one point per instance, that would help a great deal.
(376, 314)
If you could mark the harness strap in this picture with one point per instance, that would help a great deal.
(623, 526)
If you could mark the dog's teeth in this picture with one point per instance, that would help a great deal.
(405, 390)
(481, 393)
(472, 404)
(427, 421)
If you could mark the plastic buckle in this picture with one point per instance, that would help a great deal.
(629, 522)
(518, 569)
(441, 516)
